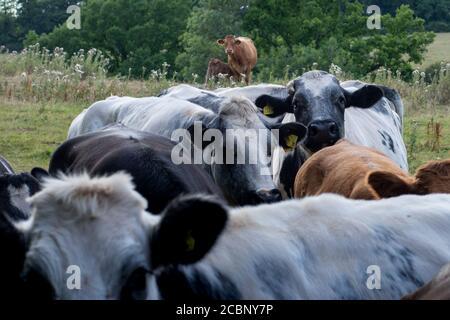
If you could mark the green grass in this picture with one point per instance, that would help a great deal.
(31, 132)
(438, 51)
(419, 139)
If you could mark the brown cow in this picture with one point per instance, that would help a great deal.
(216, 67)
(363, 173)
(242, 55)
(436, 289)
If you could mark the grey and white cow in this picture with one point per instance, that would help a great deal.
(242, 182)
(325, 247)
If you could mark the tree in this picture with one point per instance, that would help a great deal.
(325, 32)
(136, 34)
(435, 12)
(9, 28)
(42, 16)
(210, 20)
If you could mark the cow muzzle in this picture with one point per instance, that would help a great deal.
(267, 196)
(322, 134)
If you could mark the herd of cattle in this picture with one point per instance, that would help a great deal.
(139, 226)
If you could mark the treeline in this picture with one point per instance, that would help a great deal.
(436, 13)
(140, 36)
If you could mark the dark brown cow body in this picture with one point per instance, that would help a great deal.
(217, 67)
(242, 55)
(436, 289)
(359, 172)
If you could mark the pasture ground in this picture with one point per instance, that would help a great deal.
(438, 51)
(31, 132)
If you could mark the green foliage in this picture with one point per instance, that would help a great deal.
(41, 16)
(303, 33)
(9, 31)
(210, 20)
(435, 12)
(135, 34)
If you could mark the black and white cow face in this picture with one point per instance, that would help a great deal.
(319, 102)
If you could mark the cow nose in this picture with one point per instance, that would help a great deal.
(322, 134)
(229, 51)
(269, 196)
(324, 128)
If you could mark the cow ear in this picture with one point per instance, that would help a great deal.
(237, 42)
(273, 106)
(389, 185)
(187, 231)
(220, 42)
(364, 97)
(434, 177)
(291, 134)
(39, 174)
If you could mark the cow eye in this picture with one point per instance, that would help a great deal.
(341, 100)
(135, 287)
(37, 286)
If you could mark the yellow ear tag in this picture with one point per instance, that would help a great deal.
(291, 142)
(190, 241)
(267, 110)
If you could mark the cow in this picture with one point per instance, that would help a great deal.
(242, 55)
(242, 182)
(216, 67)
(365, 117)
(359, 172)
(436, 289)
(14, 191)
(315, 248)
(15, 188)
(146, 157)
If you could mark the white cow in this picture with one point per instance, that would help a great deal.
(242, 182)
(325, 247)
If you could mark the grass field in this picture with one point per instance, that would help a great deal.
(439, 50)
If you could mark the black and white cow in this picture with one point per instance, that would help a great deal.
(242, 182)
(312, 99)
(15, 189)
(146, 157)
(325, 247)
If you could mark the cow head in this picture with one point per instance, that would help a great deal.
(87, 240)
(239, 161)
(230, 43)
(99, 226)
(433, 177)
(318, 101)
